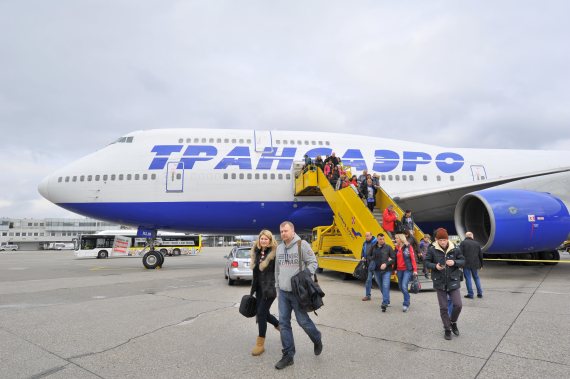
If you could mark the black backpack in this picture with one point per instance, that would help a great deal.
(308, 292)
(398, 227)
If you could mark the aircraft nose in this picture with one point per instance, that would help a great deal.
(43, 188)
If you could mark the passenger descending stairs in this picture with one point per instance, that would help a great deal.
(352, 219)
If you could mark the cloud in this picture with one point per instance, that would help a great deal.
(76, 76)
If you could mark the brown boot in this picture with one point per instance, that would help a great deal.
(258, 349)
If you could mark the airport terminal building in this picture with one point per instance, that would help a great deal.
(39, 234)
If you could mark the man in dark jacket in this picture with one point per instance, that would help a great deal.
(445, 260)
(473, 263)
(383, 257)
(368, 243)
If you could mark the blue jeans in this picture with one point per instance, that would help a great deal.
(469, 272)
(403, 281)
(288, 303)
(368, 285)
(385, 280)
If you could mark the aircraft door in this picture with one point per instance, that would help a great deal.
(175, 177)
(478, 172)
(262, 139)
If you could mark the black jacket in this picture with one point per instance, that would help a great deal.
(473, 254)
(447, 279)
(382, 255)
(263, 274)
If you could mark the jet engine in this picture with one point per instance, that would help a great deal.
(513, 221)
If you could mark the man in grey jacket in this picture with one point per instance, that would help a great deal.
(287, 266)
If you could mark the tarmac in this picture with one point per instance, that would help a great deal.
(62, 317)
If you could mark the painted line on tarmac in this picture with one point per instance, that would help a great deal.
(99, 268)
(526, 260)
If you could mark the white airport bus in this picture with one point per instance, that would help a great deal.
(125, 243)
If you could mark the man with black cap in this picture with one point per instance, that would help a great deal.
(445, 260)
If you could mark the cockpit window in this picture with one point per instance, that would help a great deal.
(124, 140)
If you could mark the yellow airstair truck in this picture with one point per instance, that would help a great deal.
(339, 246)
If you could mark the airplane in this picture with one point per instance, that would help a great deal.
(231, 181)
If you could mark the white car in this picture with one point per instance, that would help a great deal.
(8, 247)
(237, 265)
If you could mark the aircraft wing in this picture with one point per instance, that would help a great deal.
(439, 205)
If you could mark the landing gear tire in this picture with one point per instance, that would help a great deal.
(152, 260)
(552, 255)
(102, 254)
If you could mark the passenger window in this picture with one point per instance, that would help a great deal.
(404, 177)
(89, 178)
(130, 139)
(137, 176)
(306, 142)
(152, 176)
(121, 176)
(438, 178)
(67, 179)
(291, 142)
(145, 176)
(425, 178)
(97, 177)
(284, 142)
(82, 178)
(280, 176)
(299, 142)
(411, 178)
(196, 140)
(288, 176)
(219, 140)
(129, 176)
(74, 179)
(226, 140)
(241, 140)
(105, 177)
(278, 142)
(327, 143)
(211, 140)
(233, 176)
(188, 140)
(225, 175)
(313, 143)
(256, 176)
(397, 177)
(249, 176)
(241, 176)
(113, 177)
(264, 176)
(178, 176)
(272, 176)
(59, 179)
(390, 177)
(234, 140)
(203, 140)
(452, 178)
(383, 177)
(248, 141)
(320, 143)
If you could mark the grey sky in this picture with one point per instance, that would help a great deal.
(75, 75)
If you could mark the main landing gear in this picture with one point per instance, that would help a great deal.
(152, 259)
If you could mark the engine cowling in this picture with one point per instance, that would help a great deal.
(513, 221)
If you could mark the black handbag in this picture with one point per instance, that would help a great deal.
(361, 271)
(415, 285)
(248, 306)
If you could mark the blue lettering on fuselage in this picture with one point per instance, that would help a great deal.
(240, 157)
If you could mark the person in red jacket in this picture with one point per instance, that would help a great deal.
(406, 267)
(389, 216)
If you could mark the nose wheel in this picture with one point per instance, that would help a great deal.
(153, 259)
